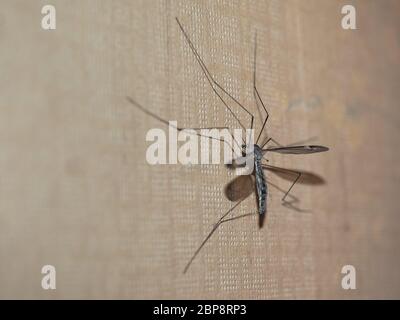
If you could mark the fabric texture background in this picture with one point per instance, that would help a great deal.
(76, 191)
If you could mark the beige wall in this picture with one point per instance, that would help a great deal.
(76, 191)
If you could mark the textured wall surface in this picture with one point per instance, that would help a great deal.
(76, 191)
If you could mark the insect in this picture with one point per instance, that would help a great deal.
(259, 149)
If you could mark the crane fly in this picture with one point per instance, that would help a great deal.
(259, 148)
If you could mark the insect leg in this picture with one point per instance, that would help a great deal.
(215, 227)
(273, 140)
(162, 120)
(239, 217)
(297, 173)
(257, 96)
(289, 204)
(213, 83)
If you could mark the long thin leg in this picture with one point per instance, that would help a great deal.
(257, 96)
(273, 140)
(289, 204)
(298, 175)
(153, 115)
(262, 128)
(239, 217)
(215, 227)
(259, 109)
(265, 143)
(213, 83)
(294, 199)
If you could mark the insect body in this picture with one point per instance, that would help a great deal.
(259, 149)
(261, 186)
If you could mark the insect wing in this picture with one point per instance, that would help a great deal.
(298, 149)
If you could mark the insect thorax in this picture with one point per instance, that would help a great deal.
(257, 151)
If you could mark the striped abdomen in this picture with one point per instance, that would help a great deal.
(261, 186)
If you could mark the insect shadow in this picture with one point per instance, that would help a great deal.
(242, 187)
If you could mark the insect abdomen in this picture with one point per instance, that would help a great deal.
(261, 187)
